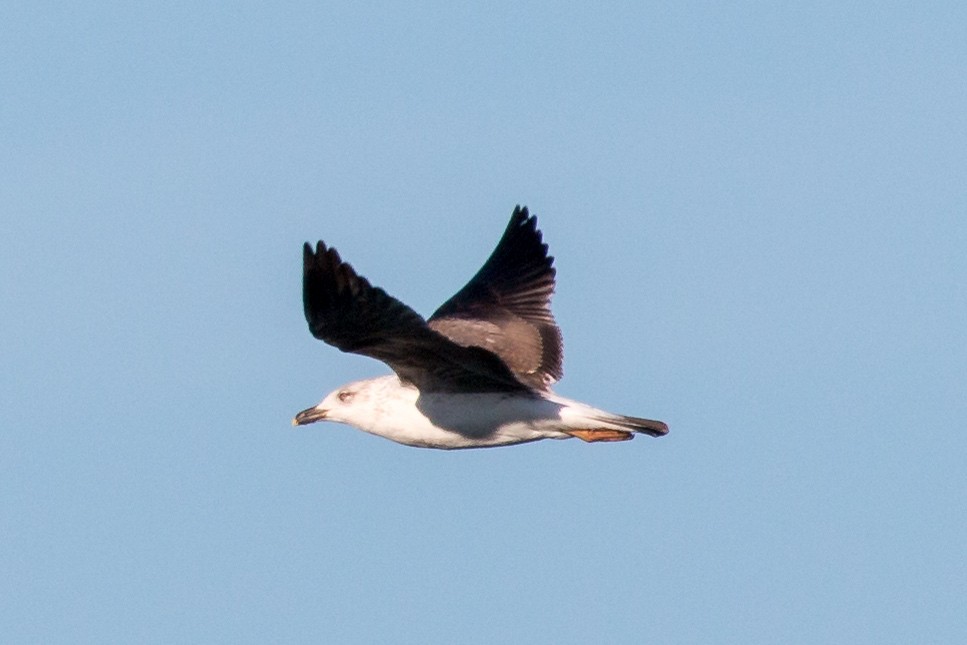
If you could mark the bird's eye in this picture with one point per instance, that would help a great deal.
(345, 396)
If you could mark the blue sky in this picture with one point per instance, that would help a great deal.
(759, 217)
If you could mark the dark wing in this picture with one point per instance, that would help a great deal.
(506, 307)
(344, 310)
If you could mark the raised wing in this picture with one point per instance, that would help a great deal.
(344, 310)
(506, 306)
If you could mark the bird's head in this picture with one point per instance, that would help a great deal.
(352, 403)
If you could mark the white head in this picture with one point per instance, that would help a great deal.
(358, 404)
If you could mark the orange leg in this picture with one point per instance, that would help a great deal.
(601, 434)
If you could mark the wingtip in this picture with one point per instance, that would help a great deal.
(522, 217)
(321, 253)
(308, 250)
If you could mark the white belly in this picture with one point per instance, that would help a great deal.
(468, 420)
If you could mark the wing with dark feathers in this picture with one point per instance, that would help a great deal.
(506, 306)
(344, 310)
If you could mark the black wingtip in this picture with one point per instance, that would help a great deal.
(521, 217)
(322, 256)
(309, 254)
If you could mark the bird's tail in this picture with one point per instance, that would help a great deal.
(591, 424)
(635, 424)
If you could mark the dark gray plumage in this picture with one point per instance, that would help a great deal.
(506, 306)
(496, 334)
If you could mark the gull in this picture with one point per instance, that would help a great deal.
(475, 374)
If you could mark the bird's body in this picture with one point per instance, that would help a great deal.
(388, 408)
(476, 374)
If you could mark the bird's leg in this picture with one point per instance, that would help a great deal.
(601, 434)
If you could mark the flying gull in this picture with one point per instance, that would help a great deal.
(476, 374)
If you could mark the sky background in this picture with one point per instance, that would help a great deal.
(759, 219)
